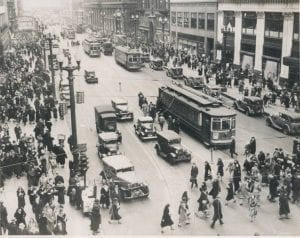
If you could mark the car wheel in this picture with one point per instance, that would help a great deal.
(268, 123)
(286, 131)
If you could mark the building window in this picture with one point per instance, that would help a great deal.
(229, 20)
(210, 21)
(249, 23)
(193, 20)
(201, 20)
(186, 20)
(179, 19)
(296, 27)
(273, 25)
(173, 18)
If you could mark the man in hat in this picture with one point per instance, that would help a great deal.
(3, 218)
(217, 212)
(232, 147)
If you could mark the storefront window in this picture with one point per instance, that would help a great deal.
(210, 21)
(273, 25)
(186, 20)
(296, 27)
(193, 20)
(201, 20)
(249, 23)
(173, 18)
(179, 19)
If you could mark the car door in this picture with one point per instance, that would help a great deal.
(281, 120)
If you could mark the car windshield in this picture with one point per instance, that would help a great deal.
(158, 63)
(256, 102)
(111, 142)
(177, 71)
(147, 124)
(296, 120)
(128, 169)
(175, 141)
(122, 104)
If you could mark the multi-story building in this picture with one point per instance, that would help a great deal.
(4, 26)
(77, 12)
(154, 24)
(12, 14)
(193, 25)
(112, 15)
(262, 34)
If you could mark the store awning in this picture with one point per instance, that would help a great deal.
(291, 61)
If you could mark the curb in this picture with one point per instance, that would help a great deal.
(265, 114)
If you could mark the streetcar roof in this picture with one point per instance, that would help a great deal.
(104, 108)
(145, 119)
(118, 162)
(168, 135)
(127, 50)
(108, 136)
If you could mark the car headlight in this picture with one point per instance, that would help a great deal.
(176, 151)
(108, 153)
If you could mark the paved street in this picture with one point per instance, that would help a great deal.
(166, 182)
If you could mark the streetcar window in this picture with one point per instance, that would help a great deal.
(216, 124)
(226, 124)
(233, 123)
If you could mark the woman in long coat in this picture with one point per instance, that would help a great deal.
(284, 208)
(166, 219)
(203, 202)
(215, 189)
(114, 211)
(183, 214)
(230, 193)
(21, 197)
(220, 165)
(207, 172)
(95, 217)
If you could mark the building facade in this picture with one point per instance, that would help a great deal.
(150, 12)
(4, 26)
(110, 15)
(194, 26)
(260, 34)
(12, 14)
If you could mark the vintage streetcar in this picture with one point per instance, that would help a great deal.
(107, 48)
(108, 144)
(121, 107)
(119, 170)
(286, 121)
(128, 58)
(202, 116)
(145, 129)
(91, 47)
(90, 76)
(251, 106)
(156, 64)
(106, 120)
(169, 147)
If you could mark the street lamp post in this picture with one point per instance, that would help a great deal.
(135, 19)
(225, 31)
(50, 38)
(117, 16)
(70, 69)
(163, 22)
(102, 14)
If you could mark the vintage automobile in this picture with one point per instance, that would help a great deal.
(145, 129)
(288, 122)
(121, 107)
(250, 105)
(119, 170)
(175, 72)
(90, 76)
(145, 57)
(108, 144)
(156, 64)
(214, 90)
(194, 82)
(169, 147)
(106, 120)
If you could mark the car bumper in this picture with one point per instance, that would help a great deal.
(147, 136)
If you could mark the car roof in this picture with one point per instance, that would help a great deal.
(119, 100)
(252, 98)
(169, 135)
(156, 59)
(145, 119)
(104, 108)
(117, 162)
(293, 115)
(107, 136)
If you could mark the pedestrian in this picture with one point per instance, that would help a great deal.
(62, 218)
(273, 184)
(215, 188)
(207, 171)
(32, 227)
(114, 211)
(284, 208)
(20, 215)
(184, 215)
(3, 219)
(21, 197)
(161, 121)
(59, 230)
(166, 219)
(18, 132)
(95, 217)
(104, 196)
(220, 172)
(243, 192)
(230, 193)
(252, 207)
(203, 202)
(252, 145)
(237, 174)
(232, 147)
(217, 212)
(194, 174)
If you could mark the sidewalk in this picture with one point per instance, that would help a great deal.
(233, 93)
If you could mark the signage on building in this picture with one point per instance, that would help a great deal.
(27, 23)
